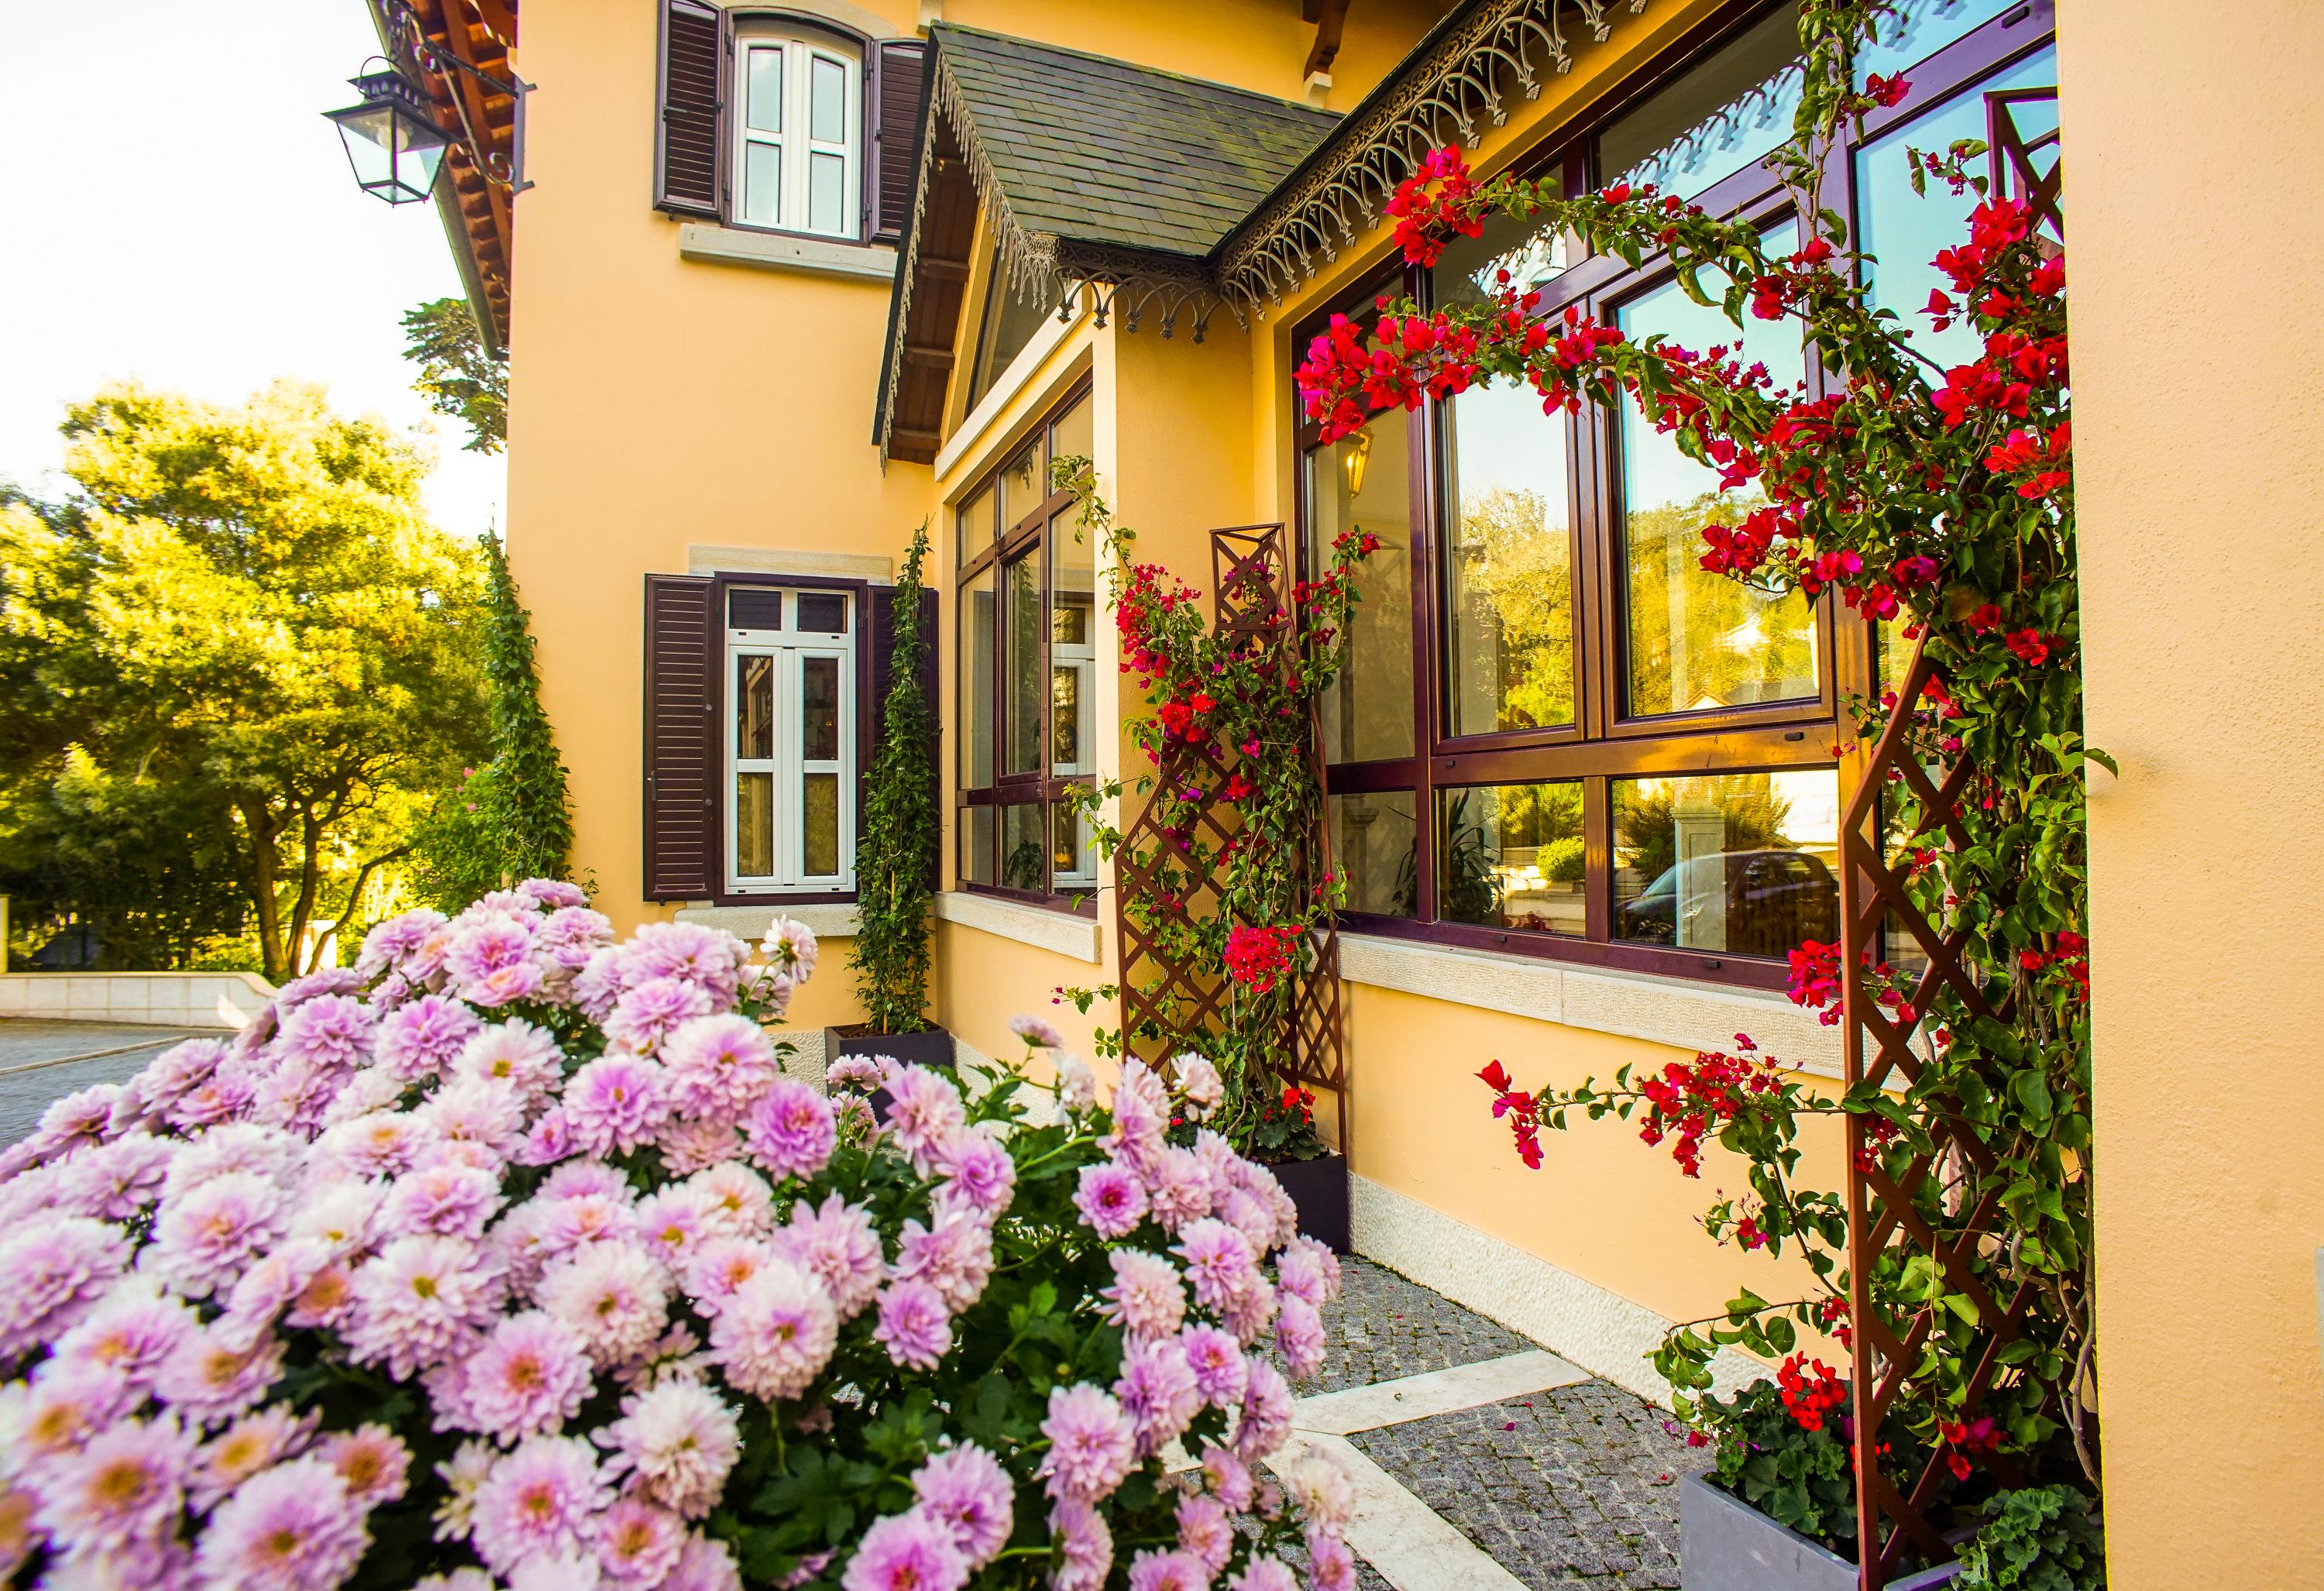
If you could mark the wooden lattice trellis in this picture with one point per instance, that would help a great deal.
(1876, 914)
(1169, 1004)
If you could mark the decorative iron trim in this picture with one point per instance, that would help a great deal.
(1462, 84)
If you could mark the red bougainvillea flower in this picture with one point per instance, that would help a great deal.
(1886, 91)
(1256, 957)
(2032, 647)
(1815, 978)
(1441, 197)
(1986, 617)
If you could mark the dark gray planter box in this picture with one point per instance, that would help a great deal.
(1725, 1544)
(1319, 1186)
(932, 1049)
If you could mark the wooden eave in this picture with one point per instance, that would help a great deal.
(946, 231)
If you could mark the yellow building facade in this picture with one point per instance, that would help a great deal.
(755, 347)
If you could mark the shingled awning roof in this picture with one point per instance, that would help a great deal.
(1093, 173)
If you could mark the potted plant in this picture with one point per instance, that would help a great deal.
(895, 858)
(1284, 1139)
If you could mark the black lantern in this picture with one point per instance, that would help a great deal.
(392, 142)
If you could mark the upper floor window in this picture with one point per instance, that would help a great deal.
(790, 740)
(799, 132)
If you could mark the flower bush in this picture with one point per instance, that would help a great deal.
(515, 1257)
(1240, 703)
(1939, 502)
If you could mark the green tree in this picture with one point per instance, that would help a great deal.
(460, 379)
(241, 631)
(895, 860)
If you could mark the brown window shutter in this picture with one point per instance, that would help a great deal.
(690, 134)
(681, 702)
(901, 70)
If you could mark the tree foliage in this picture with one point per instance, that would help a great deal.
(237, 659)
(895, 860)
(462, 381)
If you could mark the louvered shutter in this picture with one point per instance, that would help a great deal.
(895, 150)
(680, 721)
(691, 131)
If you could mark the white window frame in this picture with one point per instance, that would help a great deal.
(790, 647)
(1082, 660)
(794, 148)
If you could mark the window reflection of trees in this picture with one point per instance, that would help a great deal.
(1699, 639)
(1513, 615)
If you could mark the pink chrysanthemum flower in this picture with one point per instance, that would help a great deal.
(55, 1272)
(131, 1332)
(1299, 1337)
(541, 1501)
(371, 1461)
(1147, 1299)
(952, 1254)
(1168, 1571)
(964, 1489)
(637, 1544)
(1327, 1497)
(572, 934)
(1330, 1566)
(377, 1144)
(1077, 1084)
(1091, 1444)
(861, 1073)
(1216, 1359)
(79, 1119)
(546, 1141)
(1156, 1390)
(115, 1182)
(915, 1327)
(615, 1103)
(1265, 1573)
(613, 1297)
(327, 1300)
(222, 1098)
(177, 1071)
(906, 1551)
(717, 1066)
(504, 985)
(516, 1052)
(776, 1333)
(478, 1110)
(924, 1111)
(324, 980)
(123, 1491)
(1038, 1032)
(672, 1224)
(675, 1442)
(1111, 1200)
(484, 948)
(554, 895)
(790, 945)
(1142, 1115)
(1219, 1261)
(248, 1446)
(392, 941)
(978, 1171)
(790, 1130)
(332, 1031)
(1249, 1311)
(1265, 1420)
(1205, 1531)
(707, 1564)
(649, 1012)
(576, 1177)
(598, 985)
(443, 1202)
(836, 1243)
(293, 1528)
(720, 1267)
(528, 1378)
(1085, 1545)
(1179, 1187)
(1199, 1084)
(264, 1291)
(424, 1036)
(338, 1216)
(238, 1146)
(418, 1300)
(739, 1204)
(689, 1146)
(1308, 1269)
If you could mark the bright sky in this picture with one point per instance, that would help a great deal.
(180, 213)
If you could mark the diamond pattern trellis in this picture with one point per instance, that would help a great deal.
(1171, 996)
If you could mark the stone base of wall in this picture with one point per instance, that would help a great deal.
(225, 1000)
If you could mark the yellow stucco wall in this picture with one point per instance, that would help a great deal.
(2193, 193)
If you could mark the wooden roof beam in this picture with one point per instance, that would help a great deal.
(1330, 20)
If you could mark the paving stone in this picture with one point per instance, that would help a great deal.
(1384, 1328)
(1573, 1486)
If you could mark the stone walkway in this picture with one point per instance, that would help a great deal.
(1482, 1461)
(42, 1062)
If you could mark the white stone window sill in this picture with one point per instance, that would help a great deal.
(784, 250)
(1064, 933)
(1675, 1011)
(825, 919)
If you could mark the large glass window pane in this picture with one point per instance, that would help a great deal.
(1509, 856)
(1742, 863)
(1023, 488)
(827, 118)
(826, 193)
(976, 854)
(1373, 846)
(819, 823)
(762, 184)
(754, 708)
(1363, 483)
(819, 709)
(1021, 623)
(754, 825)
(1509, 567)
(1072, 435)
(1917, 29)
(1073, 648)
(763, 99)
(1905, 230)
(976, 525)
(1697, 640)
(1009, 319)
(1714, 119)
(754, 609)
(1470, 270)
(978, 659)
(1022, 844)
(823, 612)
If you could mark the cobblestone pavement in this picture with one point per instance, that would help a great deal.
(1572, 1486)
(42, 1062)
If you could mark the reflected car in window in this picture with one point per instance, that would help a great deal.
(1763, 903)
